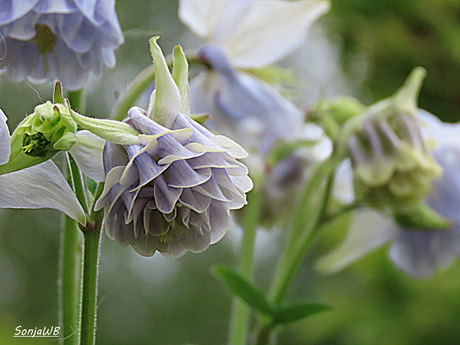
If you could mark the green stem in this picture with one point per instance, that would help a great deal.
(263, 337)
(239, 322)
(88, 308)
(76, 100)
(305, 226)
(70, 256)
(68, 287)
(89, 286)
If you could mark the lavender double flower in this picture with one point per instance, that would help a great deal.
(174, 193)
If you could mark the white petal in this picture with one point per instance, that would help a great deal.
(41, 186)
(87, 152)
(5, 148)
(271, 30)
(343, 183)
(213, 19)
(369, 231)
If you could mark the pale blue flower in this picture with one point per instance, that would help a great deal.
(247, 34)
(418, 252)
(39, 186)
(170, 183)
(44, 40)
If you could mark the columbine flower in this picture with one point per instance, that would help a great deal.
(391, 163)
(170, 182)
(247, 34)
(45, 40)
(422, 242)
(39, 186)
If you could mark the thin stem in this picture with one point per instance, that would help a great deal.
(263, 337)
(279, 286)
(68, 287)
(239, 322)
(89, 286)
(76, 99)
(92, 235)
(79, 187)
(70, 256)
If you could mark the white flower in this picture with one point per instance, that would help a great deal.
(247, 34)
(39, 186)
(49, 39)
(418, 252)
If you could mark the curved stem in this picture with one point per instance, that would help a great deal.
(239, 322)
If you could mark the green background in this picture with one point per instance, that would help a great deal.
(167, 302)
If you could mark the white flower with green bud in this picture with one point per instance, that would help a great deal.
(392, 166)
(170, 183)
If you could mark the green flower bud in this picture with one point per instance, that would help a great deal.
(391, 164)
(48, 130)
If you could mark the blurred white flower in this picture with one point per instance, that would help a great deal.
(58, 39)
(416, 251)
(247, 34)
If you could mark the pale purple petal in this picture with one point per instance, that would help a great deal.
(419, 253)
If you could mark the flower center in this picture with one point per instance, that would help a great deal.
(35, 145)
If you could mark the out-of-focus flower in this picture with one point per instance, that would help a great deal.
(287, 171)
(247, 34)
(391, 163)
(170, 182)
(49, 39)
(418, 245)
(39, 186)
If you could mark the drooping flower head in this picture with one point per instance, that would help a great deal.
(391, 163)
(65, 40)
(170, 182)
(428, 236)
(247, 34)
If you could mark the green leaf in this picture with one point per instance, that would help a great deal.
(288, 314)
(244, 290)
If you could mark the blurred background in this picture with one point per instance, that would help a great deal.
(363, 48)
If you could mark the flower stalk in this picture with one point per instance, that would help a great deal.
(240, 312)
